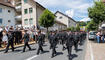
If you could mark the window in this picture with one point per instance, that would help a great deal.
(31, 21)
(0, 10)
(9, 11)
(26, 21)
(25, 1)
(60, 17)
(25, 11)
(0, 21)
(9, 21)
(30, 10)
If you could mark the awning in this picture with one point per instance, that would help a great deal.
(103, 25)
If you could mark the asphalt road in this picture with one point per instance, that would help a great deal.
(31, 55)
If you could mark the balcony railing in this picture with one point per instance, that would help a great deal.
(18, 3)
(18, 8)
(19, 18)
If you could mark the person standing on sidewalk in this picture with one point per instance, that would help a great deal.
(103, 36)
(1, 35)
(98, 37)
(26, 40)
(5, 38)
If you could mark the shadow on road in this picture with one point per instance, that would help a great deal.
(73, 56)
(44, 45)
(45, 52)
(79, 50)
(59, 53)
(17, 51)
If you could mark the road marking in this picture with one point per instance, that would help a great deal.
(32, 57)
(91, 50)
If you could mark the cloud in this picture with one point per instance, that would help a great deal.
(85, 19)
(77, 8)
(70, 13)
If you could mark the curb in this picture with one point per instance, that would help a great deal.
(16, 47)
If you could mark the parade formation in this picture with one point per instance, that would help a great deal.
(65, 38)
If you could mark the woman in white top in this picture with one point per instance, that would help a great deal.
(98, 37)
(5, 38)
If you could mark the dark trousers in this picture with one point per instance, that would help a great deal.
(53, 51)
(69, 49)
(63, 42)
(76, 46)
(50, 46)
(39, 49)
(0, 42)
(9, 44)
(26, 44)
(16, 41)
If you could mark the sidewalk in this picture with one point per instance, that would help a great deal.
(95, 51)
(16, 46)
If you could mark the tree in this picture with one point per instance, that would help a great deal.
(91, 26)
(97, 12)
(82, 23)
(47, 19)
(68, 28)
(77, 27)
(72, 28)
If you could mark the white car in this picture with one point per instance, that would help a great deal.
(92, 35)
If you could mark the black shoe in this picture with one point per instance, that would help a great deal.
(30, 49)
(37, 53)
(52, 56)
(12, 50)
(23, 51)
(5, 52)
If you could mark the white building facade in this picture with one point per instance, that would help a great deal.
(7, 15)
(24, 12)
(65, 19)
(58, 26)
(28, 12)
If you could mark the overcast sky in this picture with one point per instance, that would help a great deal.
(77, 9)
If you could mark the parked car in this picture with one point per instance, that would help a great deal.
(92, 35)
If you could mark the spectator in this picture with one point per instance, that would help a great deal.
(5, 38)
(98, 37)
(1, 35)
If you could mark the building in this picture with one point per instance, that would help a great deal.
(27, 12)
(58, 26)
(7, 13)
(63, 18)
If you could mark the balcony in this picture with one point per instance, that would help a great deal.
(19, 18)
(18, 3)
(18, 8)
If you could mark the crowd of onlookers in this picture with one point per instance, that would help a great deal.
(18, 33)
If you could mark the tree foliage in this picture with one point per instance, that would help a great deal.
(97, 12)
(71, 28)
(82, 23)
(77, 27)
(91, 26)
(47, 19)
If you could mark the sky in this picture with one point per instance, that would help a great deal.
(76, 9)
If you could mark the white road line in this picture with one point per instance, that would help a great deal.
(91, 51)
(90, 48)
(32, 57)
